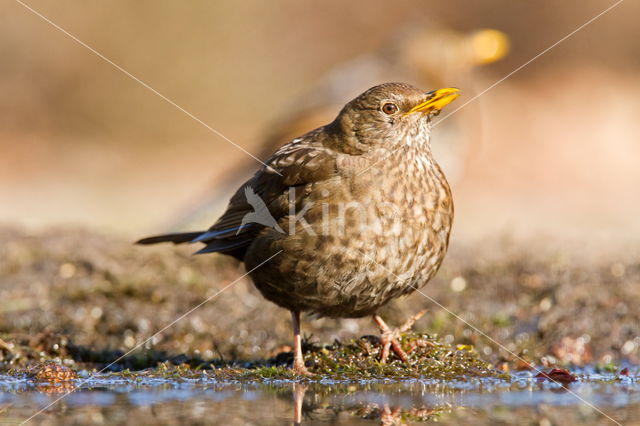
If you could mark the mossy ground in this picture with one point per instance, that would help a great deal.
(428, 358)
(86, 300)
(358, 359)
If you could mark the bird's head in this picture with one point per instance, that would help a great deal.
(391, 114)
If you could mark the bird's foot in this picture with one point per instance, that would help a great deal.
(299, 369)
(390, 338)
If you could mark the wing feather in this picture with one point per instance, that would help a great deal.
(301, 162)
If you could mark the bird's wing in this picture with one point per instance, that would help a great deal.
(301, 162)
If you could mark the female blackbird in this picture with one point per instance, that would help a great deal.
(346, 217)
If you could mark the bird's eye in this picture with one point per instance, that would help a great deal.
(389, 108)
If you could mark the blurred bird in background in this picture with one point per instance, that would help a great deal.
(425, 57)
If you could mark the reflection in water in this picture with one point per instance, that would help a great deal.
(326, 407)
(299, 390)
(113, 399)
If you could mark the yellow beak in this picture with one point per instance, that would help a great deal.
(438, 99)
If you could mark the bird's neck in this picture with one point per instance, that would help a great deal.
(340, 136)
(415, 160)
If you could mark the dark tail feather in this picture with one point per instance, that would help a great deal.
(224, 246)
(179, 238)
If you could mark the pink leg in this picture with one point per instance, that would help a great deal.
(298, 360)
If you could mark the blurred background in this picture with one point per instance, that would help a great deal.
(551, 150)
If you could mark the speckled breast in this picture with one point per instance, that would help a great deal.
(355, 243)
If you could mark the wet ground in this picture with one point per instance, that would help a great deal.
(523, 399)
(81, 312)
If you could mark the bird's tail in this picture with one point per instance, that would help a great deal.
(179, 238)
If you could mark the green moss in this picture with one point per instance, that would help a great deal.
(609, 367)
(501, 320)
(269, 373)
(428, 358)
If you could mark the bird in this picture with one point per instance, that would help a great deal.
(365, 208)
(422, 54)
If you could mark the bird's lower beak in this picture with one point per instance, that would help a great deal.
(437, 100)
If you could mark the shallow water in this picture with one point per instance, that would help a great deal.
(114, 399)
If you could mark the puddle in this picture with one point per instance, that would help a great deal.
(113, 399)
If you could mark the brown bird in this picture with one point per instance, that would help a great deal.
(346, 217)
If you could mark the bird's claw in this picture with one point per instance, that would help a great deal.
(299, 369)
(390, 338)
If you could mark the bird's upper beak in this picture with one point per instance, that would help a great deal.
(436, 100)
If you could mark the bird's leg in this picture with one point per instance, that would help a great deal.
(298, 360)
(390, 339)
